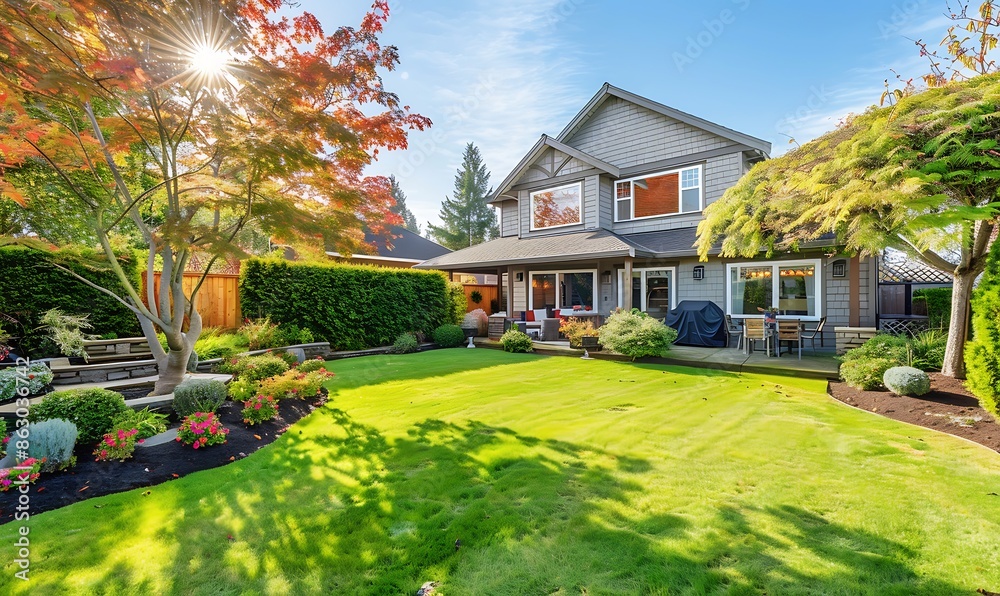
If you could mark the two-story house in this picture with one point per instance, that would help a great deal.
(604, 215)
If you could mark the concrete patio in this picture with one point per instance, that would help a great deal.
(817, 365)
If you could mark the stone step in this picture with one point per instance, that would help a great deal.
(169, 436)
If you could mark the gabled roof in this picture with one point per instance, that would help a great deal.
(406, 246)
(609, 90)
(544, 143)
(578, 246)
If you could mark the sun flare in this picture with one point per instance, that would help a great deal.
(210, 61)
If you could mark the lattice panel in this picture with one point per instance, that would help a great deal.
(902, 326)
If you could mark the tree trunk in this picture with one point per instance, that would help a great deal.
(954, 355)
(172, 368)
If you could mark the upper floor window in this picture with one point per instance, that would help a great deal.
(665, 193)
(557, 207)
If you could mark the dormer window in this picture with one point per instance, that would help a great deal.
(656, 195)
(557, 207)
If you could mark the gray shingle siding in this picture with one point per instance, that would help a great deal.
(606, 214)
(626, 134)
(712, 287)
(721, 173)
(508, 219)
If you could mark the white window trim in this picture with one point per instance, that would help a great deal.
(531, 285)
(775, 291)
(643, 270)
(531, 207)
(680, 196)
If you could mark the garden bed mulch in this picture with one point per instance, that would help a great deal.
(949, 408)
(156, 464)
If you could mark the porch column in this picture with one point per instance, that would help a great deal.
(854, 285)
(627, 285)
(510, 292)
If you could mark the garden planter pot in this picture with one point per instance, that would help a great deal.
(590, 343)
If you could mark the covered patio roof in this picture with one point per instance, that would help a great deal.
(579, 246)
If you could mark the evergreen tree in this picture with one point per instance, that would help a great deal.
(400, 209)
(467, 218)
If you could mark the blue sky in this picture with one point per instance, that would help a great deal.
(500, 73)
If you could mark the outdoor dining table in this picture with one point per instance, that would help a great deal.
(770, 332)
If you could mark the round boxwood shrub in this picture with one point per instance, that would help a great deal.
(92, 410)
(906, 380)
(515, 341)
(865, 373)
(449, 336)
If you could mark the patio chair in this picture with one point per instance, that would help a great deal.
(789, 330)
(811, 334)
(753, 332)
(733, 328)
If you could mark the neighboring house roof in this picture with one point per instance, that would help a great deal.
(609, 90)
(546, 142)
(589, 245)
(406, 246)
(910, 272)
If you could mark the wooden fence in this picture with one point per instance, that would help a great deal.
(489, 293)
(218, 300)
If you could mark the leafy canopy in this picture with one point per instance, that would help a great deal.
(921, 176)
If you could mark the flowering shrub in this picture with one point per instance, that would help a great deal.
(259, 408)
(294, 384)
(287, 357)
(202, 429)
(254, 368)
(315, 364)
(118, 444)
(31, 470)
(478, 320)
(515, 341)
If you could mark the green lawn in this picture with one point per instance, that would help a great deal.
(560, 476)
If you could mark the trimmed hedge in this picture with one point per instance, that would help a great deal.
(30, 285)
(938, 302)
(352, 307)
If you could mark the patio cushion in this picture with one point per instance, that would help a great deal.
(540, 313)
(529, 316)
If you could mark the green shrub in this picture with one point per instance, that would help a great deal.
(254, 368)
(119, 444)
(54, 440)
(260, 334)
(456, 303)
(311, 365)
(30, 286)
(352, 307)
(289, 334)
(865, 373)
(146, 422)
(91, 410)
(34, 379)
(242, 389)
(635, 334)
(938, 301)
(906, 380)
(982, 354)
(405, 344)
(515, 341)
(449, 336)
(198, 395)
(927, 350)
(883, 345)
(66, 331)
(287, 357)
(215, 342)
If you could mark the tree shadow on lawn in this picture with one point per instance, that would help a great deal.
(351, 511)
